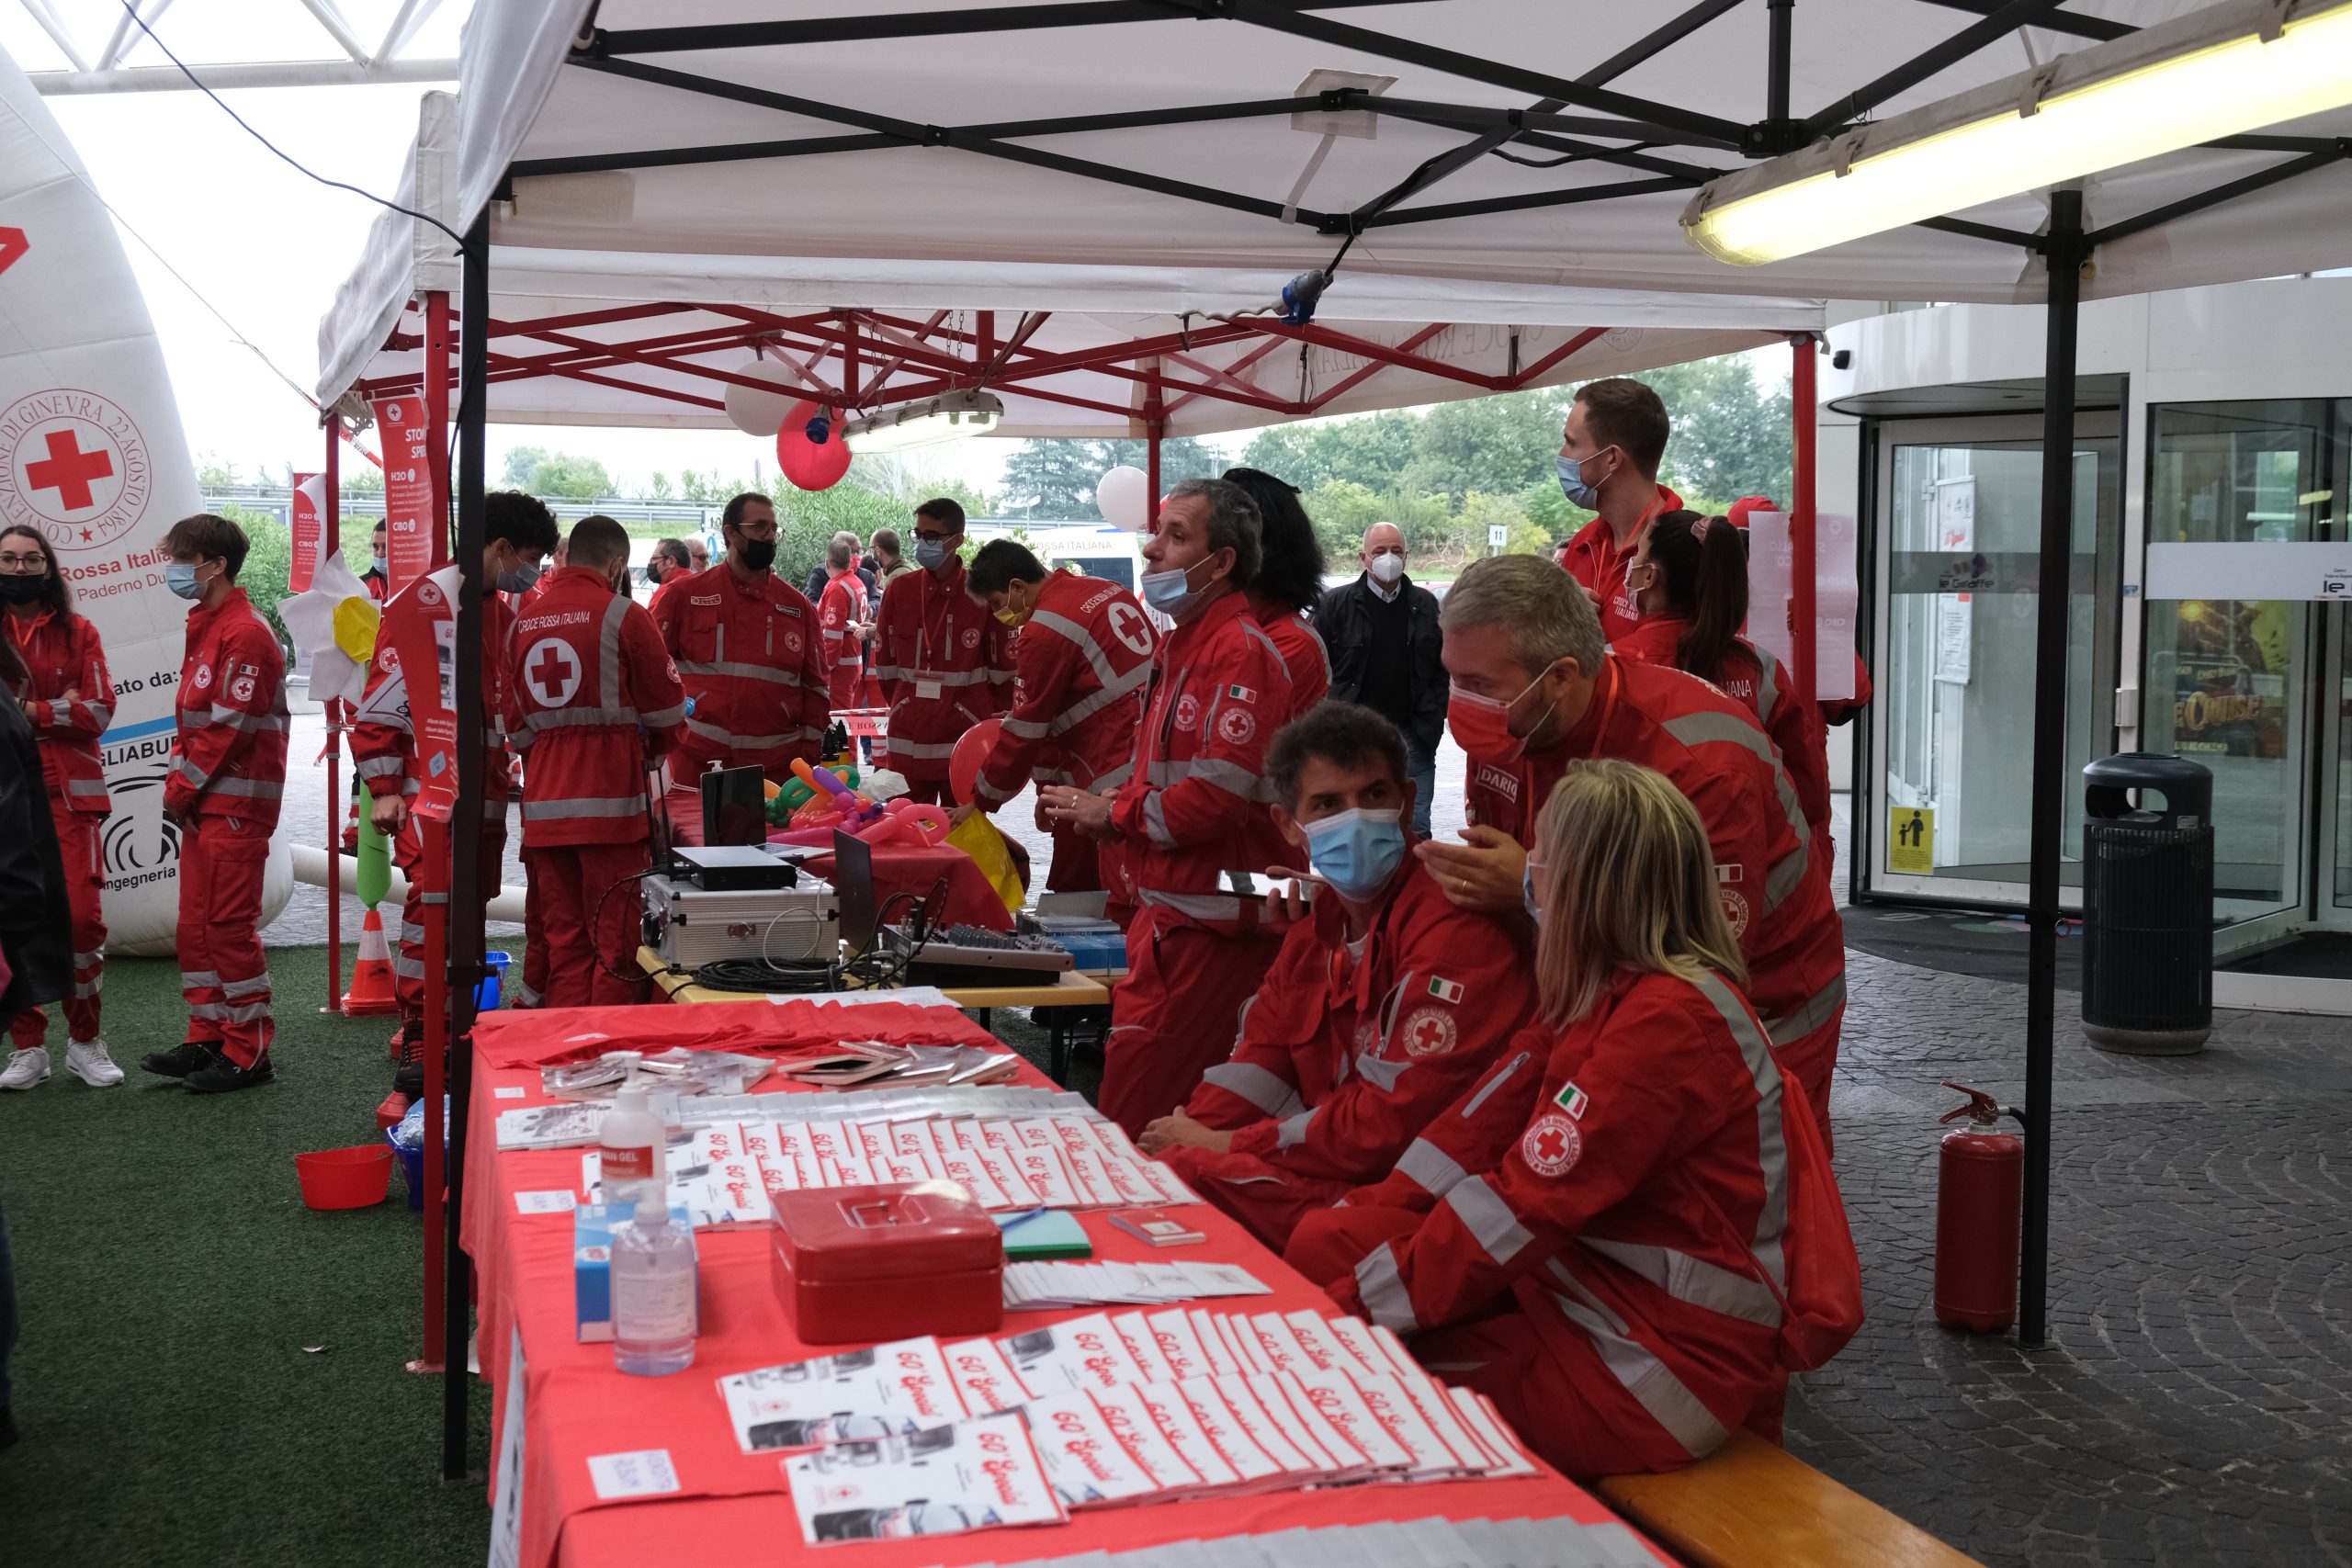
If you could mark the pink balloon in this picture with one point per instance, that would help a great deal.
(810, 465)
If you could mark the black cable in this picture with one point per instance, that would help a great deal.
(132, 7)
(596, 923)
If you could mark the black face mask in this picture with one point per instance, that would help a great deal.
(22, 589)
(758, 554)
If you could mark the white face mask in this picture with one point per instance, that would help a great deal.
(1387, 568)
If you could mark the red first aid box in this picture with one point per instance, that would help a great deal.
(867, 1264)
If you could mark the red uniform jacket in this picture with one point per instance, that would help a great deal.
(1196, 804)
(843, 603)
(1756, 679)
(1775, 890)
(1343, 1057)
(383, 742)
(229, 758)
(945, 664)
(753, 662)
(1306, 659)
(593, 695)
(1078, 664)
(63, 654)
(1641, 1207)
(1596, 556)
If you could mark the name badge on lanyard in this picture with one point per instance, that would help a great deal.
(929, 687)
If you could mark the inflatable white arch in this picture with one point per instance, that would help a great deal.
(92, 453)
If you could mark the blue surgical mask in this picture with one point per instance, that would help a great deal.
(179, 576)
(1170, 593)
(520, 579)
(379, 566)
(1573, 485)
(931, 554)
(1356, 851)
(1527, 893)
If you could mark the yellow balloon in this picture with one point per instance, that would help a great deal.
(354, 628)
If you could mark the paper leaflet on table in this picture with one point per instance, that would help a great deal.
(887, 1391)
(982, 1473)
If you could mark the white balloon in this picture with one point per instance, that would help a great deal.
(1124, 497)
(755, 412)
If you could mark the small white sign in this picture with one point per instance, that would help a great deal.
(555, 1202)
(1497, 533)
(648, 1473)
(512, 1091)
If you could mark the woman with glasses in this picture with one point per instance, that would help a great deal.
(69, 698)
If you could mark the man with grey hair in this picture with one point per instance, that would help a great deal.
(845, 617)
(1196, 806)
(1382, 632)
(1535, 688)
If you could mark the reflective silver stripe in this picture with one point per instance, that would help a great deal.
(1697, 730)
(61, 712)
(881, 673)
(1231, 777)
(1252, 628)
(663, 718)
(1817, 1010)
(925, 750)
(990, 796)
(1198, 906)
(1071, 632)
(1383, 1290)
(432, 898)
(250, 789)
(1250, 1082)
(556, 810)
(1155, 820)
(412, 933)
(608, 648)
(194, 774)
(408, 968)
(735, 670)
(92, 787)
(102, 712)
(1771, 1140)
(1105, 783)
(1380, 1070)
(251, 723)
(1024, 728)
(1767, 689)
(576, 718)
(1429, 1168)
(84, 989)
(525, 996)
(379, 767)
(717, 736)
(256, 986)
(1292, 1131)
(950, 678)
(1650, 1381)
(247, 1013)
(84, 960)
(1489, 1219)
(1086, 707)
(1695, 1280)
(192, 978)
(1510, 1070)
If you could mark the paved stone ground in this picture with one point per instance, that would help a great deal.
(2193, 1405)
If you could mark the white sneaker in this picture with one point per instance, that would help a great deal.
(88, 1061)
(26, 1068)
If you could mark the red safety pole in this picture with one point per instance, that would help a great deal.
(1802, 403)
(437, 416)
(1155, 425)
(331, 527)
(431, 877)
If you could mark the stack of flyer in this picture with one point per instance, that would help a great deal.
(1038, 1287)
(1140, 1408)
(724, 1171)
(1561, 1542)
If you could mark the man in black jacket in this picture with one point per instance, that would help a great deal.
(1381, 632)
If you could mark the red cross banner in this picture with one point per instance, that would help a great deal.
(419, 635)
(404, 427)
(309, 531)
(94, 460)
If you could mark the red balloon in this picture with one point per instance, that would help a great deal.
(810, 465)
(970, 755)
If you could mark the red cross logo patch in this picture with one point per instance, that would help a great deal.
(73, 468)
(1236, 726)
(552, 669)
(1552, 1145)
(1188, 711)
(971, 637)
(1427, 1032)
(203, 677)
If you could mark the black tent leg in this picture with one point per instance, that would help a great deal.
(466, 870)
(2065, 256)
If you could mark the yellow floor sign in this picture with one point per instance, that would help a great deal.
(1911, 840)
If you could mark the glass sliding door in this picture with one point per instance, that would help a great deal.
(1960, 525)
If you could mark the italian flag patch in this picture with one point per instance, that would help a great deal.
(1241, 694)
(1443, 989)
(1573, 1101)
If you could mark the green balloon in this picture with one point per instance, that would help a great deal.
(375, 878)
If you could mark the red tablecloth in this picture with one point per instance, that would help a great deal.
(734, 1507)
(904, 868)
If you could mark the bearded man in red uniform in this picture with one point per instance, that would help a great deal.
(1534, 688)
(944, 662)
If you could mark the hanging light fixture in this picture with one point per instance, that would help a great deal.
(2223, 71)
(931, 420)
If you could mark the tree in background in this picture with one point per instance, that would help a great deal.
(1731, 436)
(1054, 480)
(1371, 450)
(565, 474)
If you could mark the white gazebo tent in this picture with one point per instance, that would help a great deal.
(1223, 139)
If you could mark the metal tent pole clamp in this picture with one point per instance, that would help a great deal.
(2064, 257)
(465, 910)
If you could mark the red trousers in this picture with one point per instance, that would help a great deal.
(224, 974)
(86, 881)
(577, 883)
(1550, 1385)
(1078, 864)
(1176, 1014)
(408, 853)
(1812, 1060)
(1269, 1201)
(683, 807)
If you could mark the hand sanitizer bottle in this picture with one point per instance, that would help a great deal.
(631, 1142)
(654, 1293)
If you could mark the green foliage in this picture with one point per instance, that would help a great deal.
(1054, 480)
(709, 489)
(1731, 436)
(806, 521)
(362, 479)
(658, 488)
(211, 473)
(269, 557)
(1498, 445)
(544, 473)
(1372, 450)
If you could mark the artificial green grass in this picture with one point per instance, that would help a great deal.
(169, 1277)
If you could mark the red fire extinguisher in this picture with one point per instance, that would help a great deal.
(1980, 1181)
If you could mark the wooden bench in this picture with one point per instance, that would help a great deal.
(1749, 1505)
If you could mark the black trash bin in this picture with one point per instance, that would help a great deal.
(2148, 904)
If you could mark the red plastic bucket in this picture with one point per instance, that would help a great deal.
(345, 1179)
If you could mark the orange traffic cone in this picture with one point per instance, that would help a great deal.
(371, 976)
